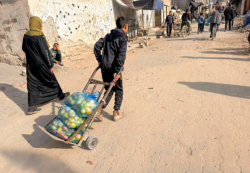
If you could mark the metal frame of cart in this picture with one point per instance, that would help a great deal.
(91, 141)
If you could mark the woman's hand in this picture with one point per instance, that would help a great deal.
(52, 70)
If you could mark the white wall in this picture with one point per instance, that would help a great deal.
(69, 22)
(75, 19)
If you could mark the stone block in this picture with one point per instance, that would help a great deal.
(141, 45)
(24, 73)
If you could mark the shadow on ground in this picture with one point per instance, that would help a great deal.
(223, 89)
(107, 116)
(226, 49)
(20, 98)
(188, 39)
(238, 52)
(219, 58)
(26, 161)
(39, 139)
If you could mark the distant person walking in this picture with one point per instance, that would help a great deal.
(41, 81)
(217, 17)
(229, 14)
(200, 21)
(186, 20)
(169, 21)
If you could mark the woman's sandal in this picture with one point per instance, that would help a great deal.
(33, 110)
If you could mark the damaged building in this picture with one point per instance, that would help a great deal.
(242, 6)
(69, 22)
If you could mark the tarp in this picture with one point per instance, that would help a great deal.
(247, 19)
(185, 4)
(152, 5)
(196, 4)
(159, 5)
(137, 5)
(181, 4)
(144, 4)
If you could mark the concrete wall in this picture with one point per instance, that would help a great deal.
(69, 22)
(14, 17)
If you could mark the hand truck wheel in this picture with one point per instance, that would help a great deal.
(92, 142)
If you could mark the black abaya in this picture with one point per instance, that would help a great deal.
(41, 82)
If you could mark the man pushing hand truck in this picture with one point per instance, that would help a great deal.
(114, 47)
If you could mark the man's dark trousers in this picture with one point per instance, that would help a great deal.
(59, 57)
(169, 29)
(200, 27)
(228, 22)
(211, 28)
(118, 89)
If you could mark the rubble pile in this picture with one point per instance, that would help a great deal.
(177, 16)
(239, 22)
(245, 29)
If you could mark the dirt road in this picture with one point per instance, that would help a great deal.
(186, 105)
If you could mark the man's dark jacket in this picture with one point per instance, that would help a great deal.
(218, 16)
(169, 19)
(229, 13)
(186, 17)
(114, 52)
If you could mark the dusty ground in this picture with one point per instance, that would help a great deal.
(186, 103)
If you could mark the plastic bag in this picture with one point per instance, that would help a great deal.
(247, 18)
(207, 23)
(58, 129)
(69, 117)
(82, 103)
(78, 137)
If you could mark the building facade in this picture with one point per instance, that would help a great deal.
(69, 22)
(242, 6)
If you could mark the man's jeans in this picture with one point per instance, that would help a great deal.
(169, 29)
(211, 28)
(186, 23)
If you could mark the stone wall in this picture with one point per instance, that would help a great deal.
(69, 22)
(14, 16)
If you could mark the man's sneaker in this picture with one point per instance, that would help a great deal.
(61, 64)
(33, 110)
(99, 115)
(117, 115)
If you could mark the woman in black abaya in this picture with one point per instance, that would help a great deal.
(41, 81)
